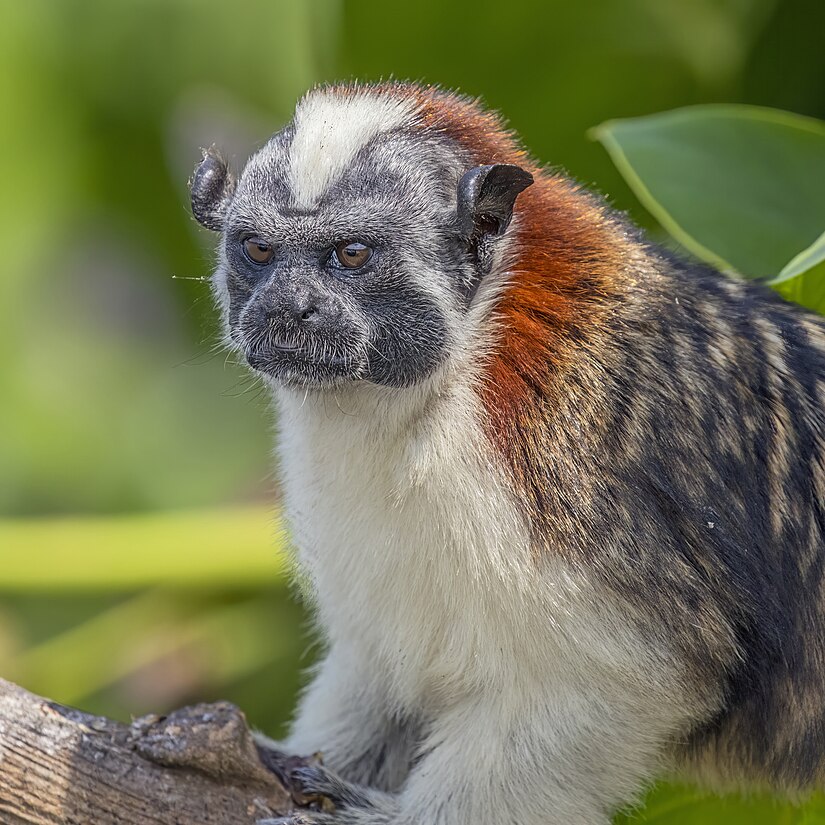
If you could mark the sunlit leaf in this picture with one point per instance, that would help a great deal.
(807, 289)
(738, 186)
(806, 261)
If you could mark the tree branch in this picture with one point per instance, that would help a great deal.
(197, 766)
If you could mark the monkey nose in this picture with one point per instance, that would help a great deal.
(300, 309)
(303, 311)
(309, 313)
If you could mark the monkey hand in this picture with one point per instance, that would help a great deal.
(323, 798)
(280, 762)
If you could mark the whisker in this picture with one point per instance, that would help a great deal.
(190, 277)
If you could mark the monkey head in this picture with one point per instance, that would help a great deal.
(353, 243)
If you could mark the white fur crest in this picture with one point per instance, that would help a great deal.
(329, 132)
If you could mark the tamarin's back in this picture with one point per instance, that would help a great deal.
(681, 457)
(560, 497)
(714, 444)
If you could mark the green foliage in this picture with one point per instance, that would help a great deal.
(212, 610)
(236, 547)
(739, 186)
(677, 805)
(803, 279)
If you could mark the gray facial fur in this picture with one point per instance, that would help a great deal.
(393, 321)
(388, 323)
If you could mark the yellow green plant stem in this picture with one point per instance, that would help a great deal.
(194, 548)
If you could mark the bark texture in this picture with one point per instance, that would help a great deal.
(197, 766)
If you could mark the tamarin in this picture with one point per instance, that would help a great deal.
(560, 495)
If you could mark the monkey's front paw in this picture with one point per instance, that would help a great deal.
(283, 764)
(299, 818)
(326, 799)
(319, 785)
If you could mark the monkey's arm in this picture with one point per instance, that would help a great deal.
(567, 759)
(346, 717)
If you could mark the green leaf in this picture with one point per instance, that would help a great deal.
(738, 186)
(807, 289)
(808, 260)
(193, 548)
(803, 279)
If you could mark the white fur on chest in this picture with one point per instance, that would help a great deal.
(409, 536)
(421, 562)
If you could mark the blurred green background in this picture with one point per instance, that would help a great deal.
(140, 561)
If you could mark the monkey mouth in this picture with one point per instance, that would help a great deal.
(268, 359)
(285, 345)
(293, 364)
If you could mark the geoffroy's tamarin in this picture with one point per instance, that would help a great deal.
(560, 495)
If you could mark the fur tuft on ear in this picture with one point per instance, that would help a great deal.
(486, 195)
(211, 190)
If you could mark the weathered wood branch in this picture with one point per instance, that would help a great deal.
(197, 766)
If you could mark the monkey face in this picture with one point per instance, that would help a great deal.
(349, 249)
(341, 291)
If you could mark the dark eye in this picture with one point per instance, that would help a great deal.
(258, 251)
(352, 255)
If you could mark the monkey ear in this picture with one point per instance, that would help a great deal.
(211, 189)
(486, 195)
